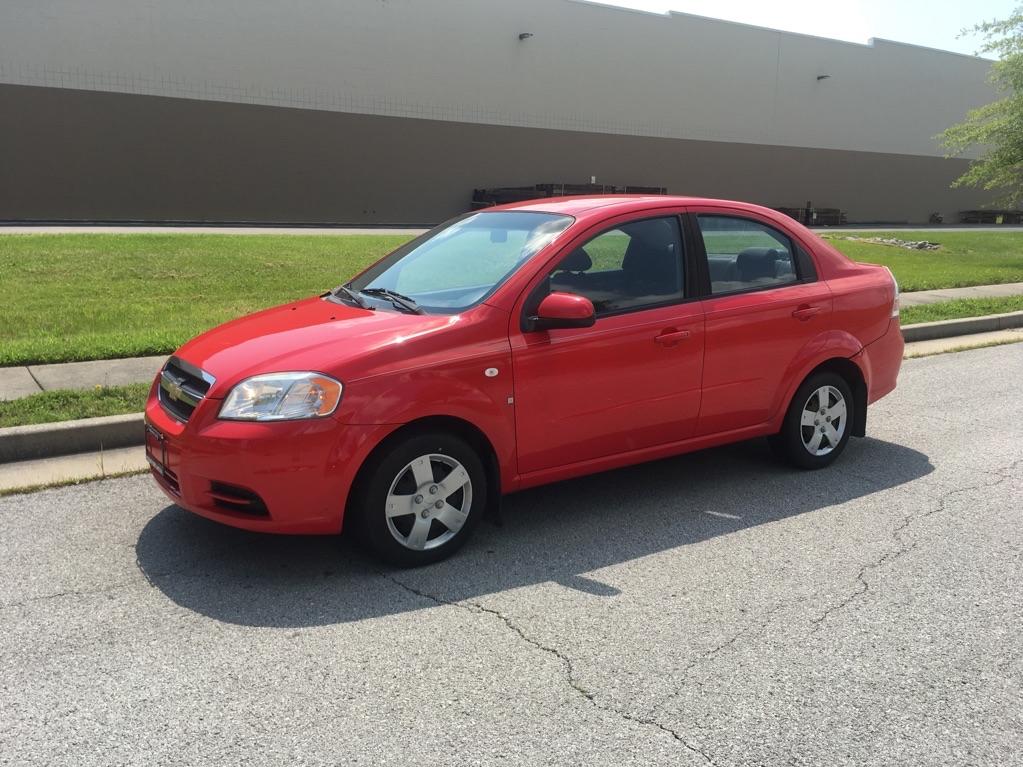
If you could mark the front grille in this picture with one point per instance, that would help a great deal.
(182, 387)
(233, 498)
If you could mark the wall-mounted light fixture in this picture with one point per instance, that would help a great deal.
(823, 77)
(525, 35)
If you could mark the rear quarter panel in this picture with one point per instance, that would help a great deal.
(863, 293)
(863, 302)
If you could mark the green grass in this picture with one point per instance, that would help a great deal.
(89, 296)
(69, 405)
(965, 259)
(959, 308)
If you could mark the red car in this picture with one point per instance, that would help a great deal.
(517, 346)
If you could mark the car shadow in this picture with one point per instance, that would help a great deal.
(555, 533)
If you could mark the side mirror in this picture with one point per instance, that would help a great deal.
(563, 310)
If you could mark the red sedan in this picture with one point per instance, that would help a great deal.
(518, 346)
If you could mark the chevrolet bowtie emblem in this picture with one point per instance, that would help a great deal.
(174, 390)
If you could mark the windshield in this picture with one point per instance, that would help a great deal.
(458, 264)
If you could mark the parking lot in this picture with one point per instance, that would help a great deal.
(717, 608)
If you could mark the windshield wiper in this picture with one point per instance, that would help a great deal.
(402, 302)
(351, 295)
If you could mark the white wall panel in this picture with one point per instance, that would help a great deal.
(588, 67)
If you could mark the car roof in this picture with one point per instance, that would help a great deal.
(614, 204)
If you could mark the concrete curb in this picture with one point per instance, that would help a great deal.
(929, 331)
(45, 440)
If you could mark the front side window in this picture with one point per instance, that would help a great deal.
(632, 266)
(460, 263)
(743, 254)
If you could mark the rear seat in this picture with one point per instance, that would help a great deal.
(753, 267)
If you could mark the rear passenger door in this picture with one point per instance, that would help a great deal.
(764, 306)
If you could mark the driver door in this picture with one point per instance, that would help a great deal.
(631, 381)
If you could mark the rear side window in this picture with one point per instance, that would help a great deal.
(743, 254)
(631, 267)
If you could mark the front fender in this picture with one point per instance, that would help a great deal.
(459, 389)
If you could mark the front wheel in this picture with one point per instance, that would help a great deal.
(421, 499)
(817, 426)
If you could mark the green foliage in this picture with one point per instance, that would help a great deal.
(996, 128)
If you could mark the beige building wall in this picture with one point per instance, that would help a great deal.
(101, 156)
(393, 110)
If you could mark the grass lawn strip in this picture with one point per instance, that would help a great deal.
(70, 405)
(72, 297)
(85, 297)
(965, 258)
(960, 308)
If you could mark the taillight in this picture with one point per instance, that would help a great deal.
(895, 300)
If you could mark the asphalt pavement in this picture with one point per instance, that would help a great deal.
(717, 608)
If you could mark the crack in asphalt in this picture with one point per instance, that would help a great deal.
(150, 581)
(863, 585)
(756, 627)
(565, 660)
(192, 569)
(68, 593)
(1006, 472)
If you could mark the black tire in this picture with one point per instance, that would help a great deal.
(391, 466)
(791, 442)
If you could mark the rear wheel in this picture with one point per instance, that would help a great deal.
(421, 499)
(817, 426)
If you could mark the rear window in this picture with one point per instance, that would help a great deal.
(743, 254)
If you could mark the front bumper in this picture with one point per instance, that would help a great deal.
(289, 477)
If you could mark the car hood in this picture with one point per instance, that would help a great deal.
(314, 334)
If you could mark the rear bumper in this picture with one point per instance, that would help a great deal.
(881, 362)
(289, 477)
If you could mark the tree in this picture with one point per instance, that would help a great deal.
(997, 128)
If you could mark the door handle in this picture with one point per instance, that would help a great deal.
(805, 313)
(671, 336)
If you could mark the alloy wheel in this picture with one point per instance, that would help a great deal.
(823, 420)
(428, 502)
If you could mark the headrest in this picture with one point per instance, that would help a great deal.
(652, 232)
(578, 261)
(754, 263)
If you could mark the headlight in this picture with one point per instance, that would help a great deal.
(282, 397)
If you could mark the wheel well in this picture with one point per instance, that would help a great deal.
(853, 376)
(460, 428)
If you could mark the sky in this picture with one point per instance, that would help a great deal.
(932, 23)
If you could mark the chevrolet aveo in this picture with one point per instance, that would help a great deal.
(517, 346)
